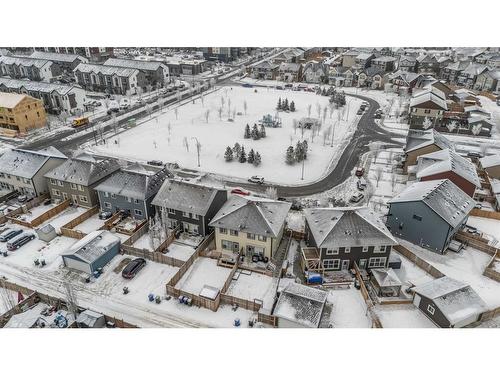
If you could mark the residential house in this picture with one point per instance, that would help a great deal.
(314, 72)
(488, 80)
(250, 225)
(373, 77)
(131, 190)
(24, 170)
(428, 64)
(56, 98)
(479, 125)
(27, 67)
(290, 72)
(66, 61)
(155, 74)
(429, 213)
(189, 206)
(468, 76)
(77, 178)
(429, 104)
(422, 142)
(349, 58)
(343, 236)
(109, 79)
(491, 165)
(264, 70)
(408, 63)
(385, 63)
(364, 59)
(20, 113)
(292, 55)
(341, 76)
(404, 81)
(94, 54)
(452, 71)
(449, 303)
(494, 61)
(300, 306)
(447, 164)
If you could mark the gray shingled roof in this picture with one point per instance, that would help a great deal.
(37, 86)
(422, 138)
(186, 197)
(133, 184)
(442, 196)
(135, 64)
(444, 161)
(347, 227)
(106, 70)
(26, 163)
(23, 61)
(83, 171)
(255, 215)
(93, 246)
(57, 57)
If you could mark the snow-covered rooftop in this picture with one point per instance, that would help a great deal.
(26, 163)
(255, 215)
(386, 277)
(135, 64)
(433, 95)
(417, 139)
(23, 61)
(106, 70)
(347, 227)
(442, 196)
(93, 245)
(37, 86)
(57, 57)
(185, 196)
(490, 161)
(444, 161)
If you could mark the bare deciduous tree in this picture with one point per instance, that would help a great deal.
(245, 106)
(378, 174)
(309, 107)
(207, 115)
(185, 143)
(271, 192)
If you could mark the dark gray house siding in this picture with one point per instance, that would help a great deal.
(438, 318)
(119, 202)
(99, 262)
(418, 224)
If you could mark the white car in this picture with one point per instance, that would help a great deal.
(124, 104)
(256, 180)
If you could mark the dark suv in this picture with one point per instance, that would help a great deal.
(18, 242)
(133, 268)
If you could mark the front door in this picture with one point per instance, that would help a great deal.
(64, 196)
(362, 264)
(345, 264)
(74, 198)
(250, 251)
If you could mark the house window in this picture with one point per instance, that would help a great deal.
(171, 211)
(56, 192)
(60, 183)
(262, 238)
(233, 232)
(185, 214)
(365, 249)
(222, 230)
(73, 186)
(195, 216)
(331, 264)
(83, 198)
(113, 195)
(136, 201)
(347, 250)
(431, 309)
(107, 204)
(416, 217)
(376, 262)
(138, 212)
(251, 236)
(53, 182)
(332, 251)
(378, 250)
(427, 111)
(106, 194)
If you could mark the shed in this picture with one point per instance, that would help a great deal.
(90, 319)
(92, 252)
(385, 282)
(46, 233)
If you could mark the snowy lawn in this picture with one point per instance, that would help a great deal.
(204, 271)
(155, 139)
(34, 212)
(489, 227)
(409, 273)
(466, 266)
(348, 309)
(64, 217)
(295, 221)
(8, 299)
(180, 251)
(92, 224)
(254, 286)
(402, 316)
(144, 242)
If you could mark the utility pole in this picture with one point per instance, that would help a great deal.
(303, 161)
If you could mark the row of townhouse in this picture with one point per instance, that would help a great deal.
(93, 54)
(29, 68)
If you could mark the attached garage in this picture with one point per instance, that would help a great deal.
(92, 252)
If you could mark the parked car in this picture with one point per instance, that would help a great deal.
(3, 228)
(22, 198)
(16, 243)
(478, 206)
(104, 215)
(360, 112)
(360, 171)
(361, 184)
(472, 230)
(247, 85)
(124, 104)
(240, 191)
(156, 163)
(7, 235)
(256, 180)
(133, 268)
(473, 154)
(280, 88)
(356, 198)
(288, 85)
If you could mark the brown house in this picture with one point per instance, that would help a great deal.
(422, 142)
(20, 113)
(447, 164)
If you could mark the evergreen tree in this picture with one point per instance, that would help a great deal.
(292, 106)
(285, 105)
(243, 155)
(299, 155)
(251, 156)
(305, 147)
(237, 150)
(290, 155)
(256, 160)
(247, 131)
(228, 155)
(279, 107)
(255, 132)
(262, 131)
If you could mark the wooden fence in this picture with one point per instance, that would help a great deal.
(376, 323)
(141, 231)
(490, 271)
(267, 319)
(25, 207)
(487, 214)
(243, 303)
(110, 223)
(68, 230)
(40, 219)
(476, 242)
(419, 262)
(168, 241)
(152, 256)
(296, 235)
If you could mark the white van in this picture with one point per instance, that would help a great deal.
(361, 184)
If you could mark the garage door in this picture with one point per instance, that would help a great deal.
(77, 264)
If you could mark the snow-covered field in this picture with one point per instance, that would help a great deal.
(156, 139)
(254, 286)
(204, 271)
(402, 316)
(348, 309)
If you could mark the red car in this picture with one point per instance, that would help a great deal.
(360, 172)
(240, 191)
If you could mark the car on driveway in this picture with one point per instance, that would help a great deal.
(16, 243)
(133, 268)
(7, 235)
(359, 172)
(360, 112)
(256, 180)
(240, 191)
(104, 215)
(356, 198)
(156, 163)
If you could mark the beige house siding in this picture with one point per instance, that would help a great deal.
(411, 157)
(493, 171)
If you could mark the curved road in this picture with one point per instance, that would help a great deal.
(366, 132)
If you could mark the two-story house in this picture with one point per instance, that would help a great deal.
(408, 63)
(385, 63)
(290, 72)
(27, 67)
(77, 178)
(264, 70)
(131, 190)
(189, 206)
(250, 225)
(24, 170)
(155, 74)
(343, 236)
(109, 79)
(422, 142)
(314, 72)
(427, 108)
